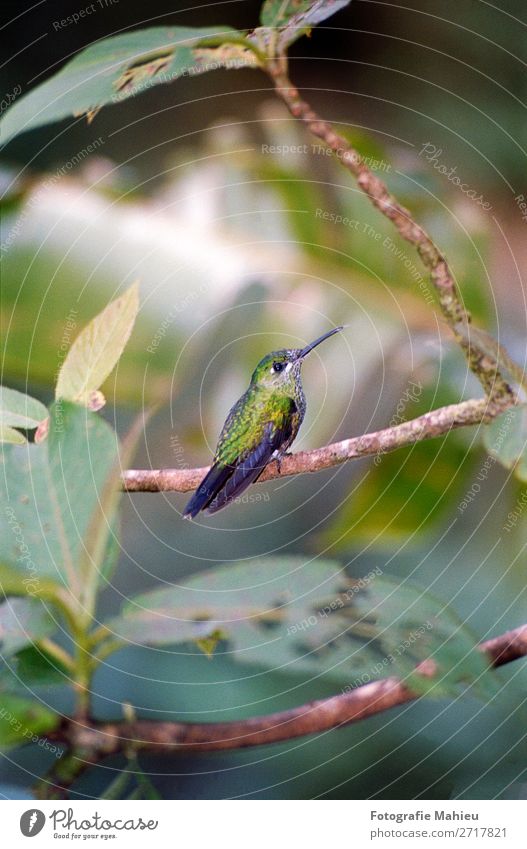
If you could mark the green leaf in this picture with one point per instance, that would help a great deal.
(23, 720)
(408, 491)
(19, 410)
(505, 438)
(23, 621)
(34, 665)
(112, 70)
(96, 351)
(9, 434)
(15, 581)
(294, 18)
(101, 550)
(51, 493)
(310, 619)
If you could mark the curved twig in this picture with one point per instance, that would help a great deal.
(435, 423)
(484, 366)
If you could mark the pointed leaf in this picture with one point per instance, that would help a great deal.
(20, 410)
(109, 71)
(96, 351)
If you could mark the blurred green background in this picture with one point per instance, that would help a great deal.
(238, 253)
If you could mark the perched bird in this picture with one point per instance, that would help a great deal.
(259, 428)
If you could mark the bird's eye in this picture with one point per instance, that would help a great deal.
(278, 367)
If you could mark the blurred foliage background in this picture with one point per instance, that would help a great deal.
(239, 250)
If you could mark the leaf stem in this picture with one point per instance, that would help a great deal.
(57, 653)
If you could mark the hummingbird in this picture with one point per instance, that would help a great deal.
(259, 428)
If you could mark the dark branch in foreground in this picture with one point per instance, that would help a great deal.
(435, 423)
(96, 740)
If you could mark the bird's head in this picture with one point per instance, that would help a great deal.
(279, 368)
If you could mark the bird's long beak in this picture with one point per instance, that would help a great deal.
(320, 339)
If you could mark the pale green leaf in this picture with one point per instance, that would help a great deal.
(19, 581)
(96, 351)
(50, 495)
(101, 550)
(109, 71)
(505, 438)
(23, 621)
(20, 410)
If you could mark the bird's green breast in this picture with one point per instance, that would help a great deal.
(247, 420)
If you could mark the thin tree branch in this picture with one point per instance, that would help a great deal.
(484, 365)
(435, 423)
(96, 740)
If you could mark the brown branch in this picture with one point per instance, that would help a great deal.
(484, 366)
(97, 740)
(435, 423)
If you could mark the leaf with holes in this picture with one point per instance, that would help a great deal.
(112, 70)
(310, 619)
(97, 350)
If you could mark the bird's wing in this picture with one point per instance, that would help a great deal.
(248, 470)
(226, 480)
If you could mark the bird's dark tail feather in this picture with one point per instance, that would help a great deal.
(246, 472)
(210, 486)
